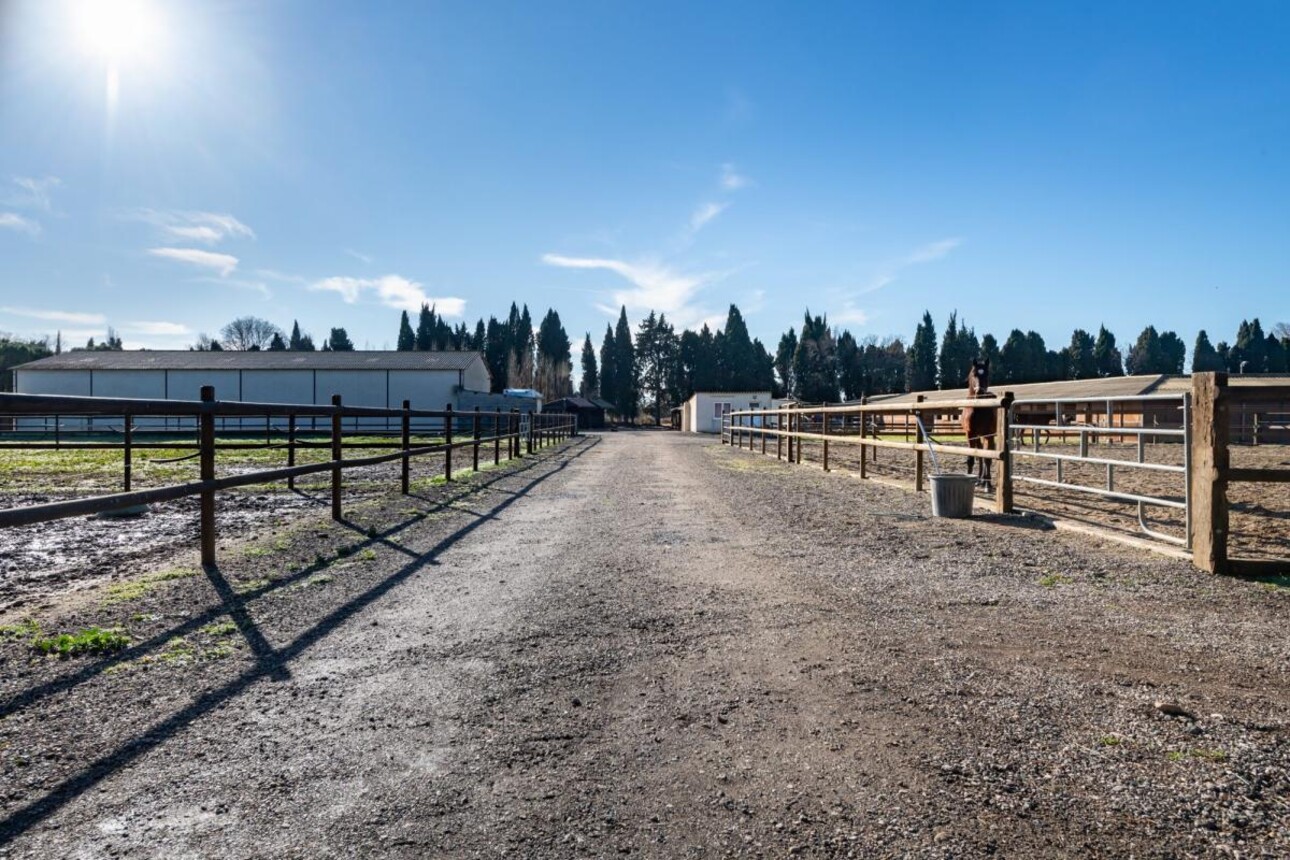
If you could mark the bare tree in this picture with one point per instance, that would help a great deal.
(1281, 330)
(248, 333)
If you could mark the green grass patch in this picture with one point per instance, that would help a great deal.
(219, 628)
(1111, 740)
(1214, 755)
(367, 555)
(1053, 580)
(25, 629)
(251, 585)
(93, 640)
(123, 592)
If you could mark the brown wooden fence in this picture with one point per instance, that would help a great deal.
(475, 431)
(782, 431)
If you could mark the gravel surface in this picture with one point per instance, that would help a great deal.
(649, 644)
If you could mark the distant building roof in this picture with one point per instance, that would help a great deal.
(604, 404)
(575, 402)
(259, 360)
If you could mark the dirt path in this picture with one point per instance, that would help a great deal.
(649, 644)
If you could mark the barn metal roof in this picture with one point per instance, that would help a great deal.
(263, 360)
(576, 402)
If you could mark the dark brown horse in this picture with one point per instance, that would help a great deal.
(978, 423)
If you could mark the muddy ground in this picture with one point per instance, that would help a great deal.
(648, 644)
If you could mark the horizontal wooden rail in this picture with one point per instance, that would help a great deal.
(859, 408)
(1258, 476)
(857, 439)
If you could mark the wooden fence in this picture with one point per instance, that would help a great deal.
(1208, 472)
(473, 430)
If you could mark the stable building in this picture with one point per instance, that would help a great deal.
(704, 411)
(590, 415)
(430, 380)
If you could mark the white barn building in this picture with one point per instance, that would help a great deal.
(703, 412)
(430, 380)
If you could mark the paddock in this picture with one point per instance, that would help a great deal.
(1179, 469)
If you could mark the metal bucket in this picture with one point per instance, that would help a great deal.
(952, 495)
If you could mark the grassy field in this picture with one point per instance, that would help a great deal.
(46, 470)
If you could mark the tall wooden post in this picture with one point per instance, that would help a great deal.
(824, 421)
(1002, 433)
(337, 452)
(405, 479)
(474, 466)
(447, 438)
(864, 449)
(513, 433)
(291, 449)
(764, 427)
(1210, 430)
(206, 443)
(128, 433)
(918, 455)
(497, 438)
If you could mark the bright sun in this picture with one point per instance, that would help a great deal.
(118, 31)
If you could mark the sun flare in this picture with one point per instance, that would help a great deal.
(118, 31)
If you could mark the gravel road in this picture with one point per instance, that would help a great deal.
(649, 644)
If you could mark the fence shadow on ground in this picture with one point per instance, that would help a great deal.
(269, 663)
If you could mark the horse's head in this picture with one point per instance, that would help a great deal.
(979, 377)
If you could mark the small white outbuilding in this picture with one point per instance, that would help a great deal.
(703, 412)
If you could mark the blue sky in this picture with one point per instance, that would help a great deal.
(1039, 166)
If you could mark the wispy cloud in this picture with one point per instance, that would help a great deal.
(704, 215)
(72, 317)
(849, 313)
(654, 286)
(357, 255)
(933, 251)
(14, 221)
(33, 193)
(284, 277)
(225, 264)
(210, 228)
(928, 253)
(394, 291)
(156, 327)
(888, 273)
(251, 286)
(732, 179)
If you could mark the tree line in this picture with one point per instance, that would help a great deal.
(653, 368)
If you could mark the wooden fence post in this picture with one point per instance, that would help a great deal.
(497, 438)
(1210, 431)
(864, 449)
(1003, 485)
(206, 442)
(406, 434)
(764, 427)
(824, 422)
(475, 464)
(447, 438)
(528, 441)
(513, 434)
(291, 449)
(918, 455)
(128, 433)
(337, 452)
